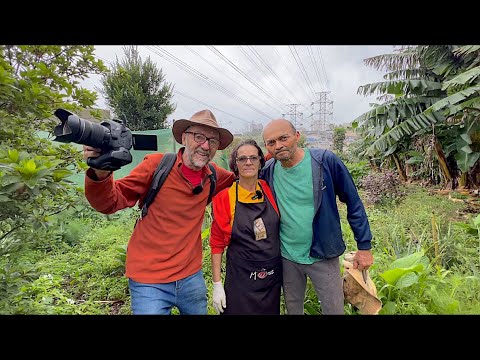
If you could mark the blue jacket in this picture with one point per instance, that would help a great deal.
(334, 180)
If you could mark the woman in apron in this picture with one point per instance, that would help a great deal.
(246, 222)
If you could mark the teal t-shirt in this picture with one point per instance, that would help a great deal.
(294, 190)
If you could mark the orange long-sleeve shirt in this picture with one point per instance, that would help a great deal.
(223, 206)
(166, 245)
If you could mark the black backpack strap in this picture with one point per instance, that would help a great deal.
(213, 182)
(159, 177)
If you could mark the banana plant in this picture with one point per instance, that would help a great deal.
(444, 94)
(411, 89)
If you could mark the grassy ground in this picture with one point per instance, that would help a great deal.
(84, 275)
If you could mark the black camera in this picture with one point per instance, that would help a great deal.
(112, 136)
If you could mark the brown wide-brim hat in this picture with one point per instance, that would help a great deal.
(206, 118)
(361, 294)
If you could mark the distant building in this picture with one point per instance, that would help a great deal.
(320, 139)
(350, 136)
(255, 128)
(324, 138)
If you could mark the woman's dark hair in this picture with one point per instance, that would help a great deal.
(233, 156)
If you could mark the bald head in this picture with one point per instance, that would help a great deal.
(281, 139)
(278, 123)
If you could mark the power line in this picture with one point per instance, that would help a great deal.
(288, 70)
(273, 72)
(210, 106)
(173, 59)
(312, 57)
(223, 73)
(323, 67)
(302, 69)
(262, 63)
(228, 61)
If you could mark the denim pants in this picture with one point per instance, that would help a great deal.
(326, 280)
(189, 295)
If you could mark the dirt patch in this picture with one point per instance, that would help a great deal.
(116, 307)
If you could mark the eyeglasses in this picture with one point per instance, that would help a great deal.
(243, 159)
(200, 139)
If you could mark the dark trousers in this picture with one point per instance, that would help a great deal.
(326, 280)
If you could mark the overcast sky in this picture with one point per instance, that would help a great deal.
(254, 84)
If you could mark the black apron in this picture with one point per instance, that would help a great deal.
(253, 276)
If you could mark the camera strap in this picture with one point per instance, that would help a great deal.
(160, 175)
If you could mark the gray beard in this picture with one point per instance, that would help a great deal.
(199, 164)
(196, 163)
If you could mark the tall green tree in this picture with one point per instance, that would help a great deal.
(339, 139)
(137, 90)
(34, 81)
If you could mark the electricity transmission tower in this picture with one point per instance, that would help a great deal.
(324, 114)
(293, 114)
(254, 127)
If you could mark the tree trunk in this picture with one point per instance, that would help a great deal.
(462, 182)
(442, 160)
(474, 175)
(373, 165)
(409, 171)
(400, 169)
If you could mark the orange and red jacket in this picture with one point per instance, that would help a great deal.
(166, 245)
(224, 210)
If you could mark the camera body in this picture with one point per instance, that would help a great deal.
(115, 152)
(113, 137)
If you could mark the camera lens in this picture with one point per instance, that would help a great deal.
(80, 131)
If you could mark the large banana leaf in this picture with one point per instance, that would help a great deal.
(402, 272)
(473, 103)
(465, 159)
(454, 98)
(400, 87)
(405, 74)
(410, 260)
(465, 156)
(395, 109)
(406, 59)
(408, 127)
(466, 77)
(465, 50)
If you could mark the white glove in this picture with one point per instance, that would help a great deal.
(219, 297)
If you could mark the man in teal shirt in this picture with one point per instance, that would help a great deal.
(306, 184)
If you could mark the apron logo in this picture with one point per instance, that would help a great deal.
(261, 274)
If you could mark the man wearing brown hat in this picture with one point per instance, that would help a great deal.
(164, 255)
